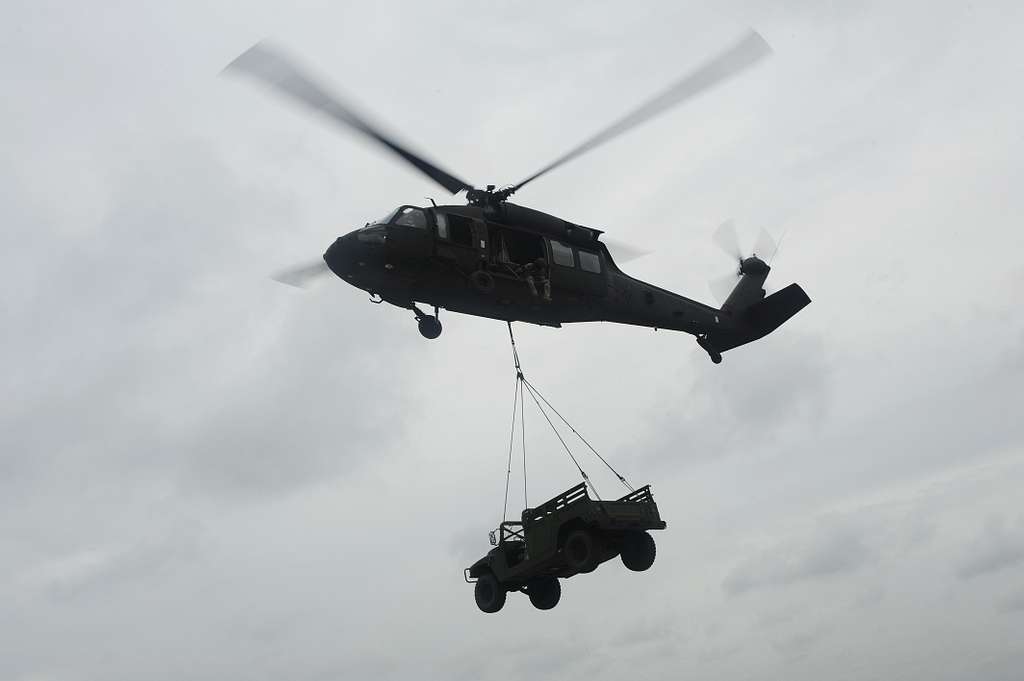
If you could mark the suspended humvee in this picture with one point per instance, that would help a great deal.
(566, 536)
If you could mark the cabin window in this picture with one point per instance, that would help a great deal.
(562, 254)
(412, 217)
(460, 230)
(590, 262)
(442, 225)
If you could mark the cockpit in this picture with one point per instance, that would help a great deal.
(375, 231)
(409, 216)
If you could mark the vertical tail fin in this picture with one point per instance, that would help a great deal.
(756, 320)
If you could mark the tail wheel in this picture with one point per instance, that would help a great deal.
(582, 551)
(638, 551)
(544, 592)
(490, 595)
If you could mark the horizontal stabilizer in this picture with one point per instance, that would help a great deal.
(776, 309)
(757, 321)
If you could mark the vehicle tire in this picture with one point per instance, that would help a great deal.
(482, 281)
(430, 327)
(582, 551)
(638, 551)
(490, 595)
(544, 592)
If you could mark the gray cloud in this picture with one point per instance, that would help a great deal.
(101, 569)
(828, 552)
(469, 544)
(1013, 603)
(748, 406)
(207, 475)
(998, 547)
(798, 645)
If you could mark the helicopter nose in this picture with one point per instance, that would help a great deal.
(340, 256)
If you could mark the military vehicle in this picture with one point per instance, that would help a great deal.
(565, 536)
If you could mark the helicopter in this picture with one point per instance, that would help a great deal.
(495, 259)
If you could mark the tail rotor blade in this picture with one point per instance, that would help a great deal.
(727, 241)
(721, 287)
(765, 245)
(303, 276)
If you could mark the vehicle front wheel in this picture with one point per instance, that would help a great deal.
(582, 552)
(490, 595)
(638, 551)
(544, 592)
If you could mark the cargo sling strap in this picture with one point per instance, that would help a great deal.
(523, 387)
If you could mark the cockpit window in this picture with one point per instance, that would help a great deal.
(412, 217)
(387, 218)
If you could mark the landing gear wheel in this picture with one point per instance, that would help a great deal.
(638, 551)
(490, 596)
(582, 552)
(544, 592)
(430, 326)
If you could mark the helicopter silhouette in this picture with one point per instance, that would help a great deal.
(496, 259)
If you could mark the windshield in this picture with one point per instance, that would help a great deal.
(409, 216)
(412, 217)
(386, 219)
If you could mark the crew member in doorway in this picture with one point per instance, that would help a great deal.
(537, 278)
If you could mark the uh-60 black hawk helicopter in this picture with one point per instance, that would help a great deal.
(492, 258)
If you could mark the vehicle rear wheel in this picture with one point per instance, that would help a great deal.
(582, 551)
(544, 592)
(490, 595)
(638, 551)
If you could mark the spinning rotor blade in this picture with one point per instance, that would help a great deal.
(728, 242)
(624, 252)
(275, 70)
(765, 246)
(721, 287)
(303, 276)
(743, 54)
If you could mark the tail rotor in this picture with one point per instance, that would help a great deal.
(727, 239)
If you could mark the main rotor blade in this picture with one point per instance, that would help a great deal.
(622, 251)
(749, 50)
(277, 71)
(303, 276)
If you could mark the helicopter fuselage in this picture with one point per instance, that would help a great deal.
(513, 263)
(495, 259)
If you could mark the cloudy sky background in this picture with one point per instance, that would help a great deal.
(207, 475)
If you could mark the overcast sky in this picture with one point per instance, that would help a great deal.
(207, 475)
